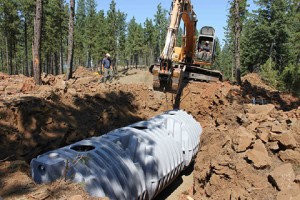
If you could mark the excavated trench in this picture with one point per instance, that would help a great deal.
(35, 120)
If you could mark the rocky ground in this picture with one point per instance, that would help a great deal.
(248, 150)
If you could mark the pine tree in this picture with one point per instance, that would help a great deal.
(112, 31)
(226, 59)
(217, 63)
(71, 40)
(26, 8)
(236, 19)
(100, 37)
(121, 36)
(291, 73)
(161, 23)
(9, 23)
(55, 30)
(37, 42)
(135, 42)
(80, 17)
(149, 41)
(90, 32)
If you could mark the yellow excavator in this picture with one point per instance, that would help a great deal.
(190, 61)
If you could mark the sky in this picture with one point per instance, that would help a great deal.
(209, 12)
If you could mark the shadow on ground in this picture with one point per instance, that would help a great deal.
(176, 183)
(259, 95)
(33, 126)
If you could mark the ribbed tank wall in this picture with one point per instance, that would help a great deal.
(133, 162)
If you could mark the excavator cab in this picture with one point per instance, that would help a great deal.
(206, 44)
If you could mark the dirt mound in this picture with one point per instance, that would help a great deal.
(255, 79)
(243, 146)
(254, 90)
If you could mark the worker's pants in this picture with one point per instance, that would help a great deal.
(107, 74)
(205, 56)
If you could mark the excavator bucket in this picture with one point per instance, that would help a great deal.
(166, 81)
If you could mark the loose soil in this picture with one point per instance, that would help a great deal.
(241, 144)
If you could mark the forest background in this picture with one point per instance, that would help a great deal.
(269, 39)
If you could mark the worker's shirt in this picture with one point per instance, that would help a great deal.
(106, 63)
(206, 48)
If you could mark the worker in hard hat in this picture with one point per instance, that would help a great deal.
(107, 68)
(204, 52)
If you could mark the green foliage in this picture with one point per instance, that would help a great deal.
(9, 24)
(217, 63)
(161, 23)
(226, 62)
(79, 30)
(90, 32)
(135, 41)
(149, 37)
(179, 37)
(291, 78)
(270, 42)
(268, 73)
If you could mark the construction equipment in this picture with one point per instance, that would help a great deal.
(177, 63)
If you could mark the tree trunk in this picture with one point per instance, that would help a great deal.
(61, 59)
(7, 60)
(14, 55)
(47, 64)
(57, 67)
(10, 58)
(71, 40)
(2, 61)
(26, 48)
(52, 64)
(237, 35)
(37, 42)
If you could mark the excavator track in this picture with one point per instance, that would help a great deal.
(202, 74)
(167, 81)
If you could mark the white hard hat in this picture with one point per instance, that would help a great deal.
(107, 54)
(207, 42)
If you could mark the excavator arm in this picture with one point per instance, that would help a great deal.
(177, 63)
(166, 78)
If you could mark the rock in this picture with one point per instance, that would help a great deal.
(253, 126)
(290, 156)
(273, 146)
(60, 84)
(13, 89)
(259, 113)
(47, 79)
(282, 177)
(260, 109)
(28, 86)
(224, 171)
(297, 179)
(241, 118)
(263, 134)
(76, 197)
(291, 193)
(291, 121)
(72, 91)
(276, 128)
(286, 139)
(2, 87)
(259, 155)
(94, 90)
(242, 140)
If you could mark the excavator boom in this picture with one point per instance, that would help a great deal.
(177, 63)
